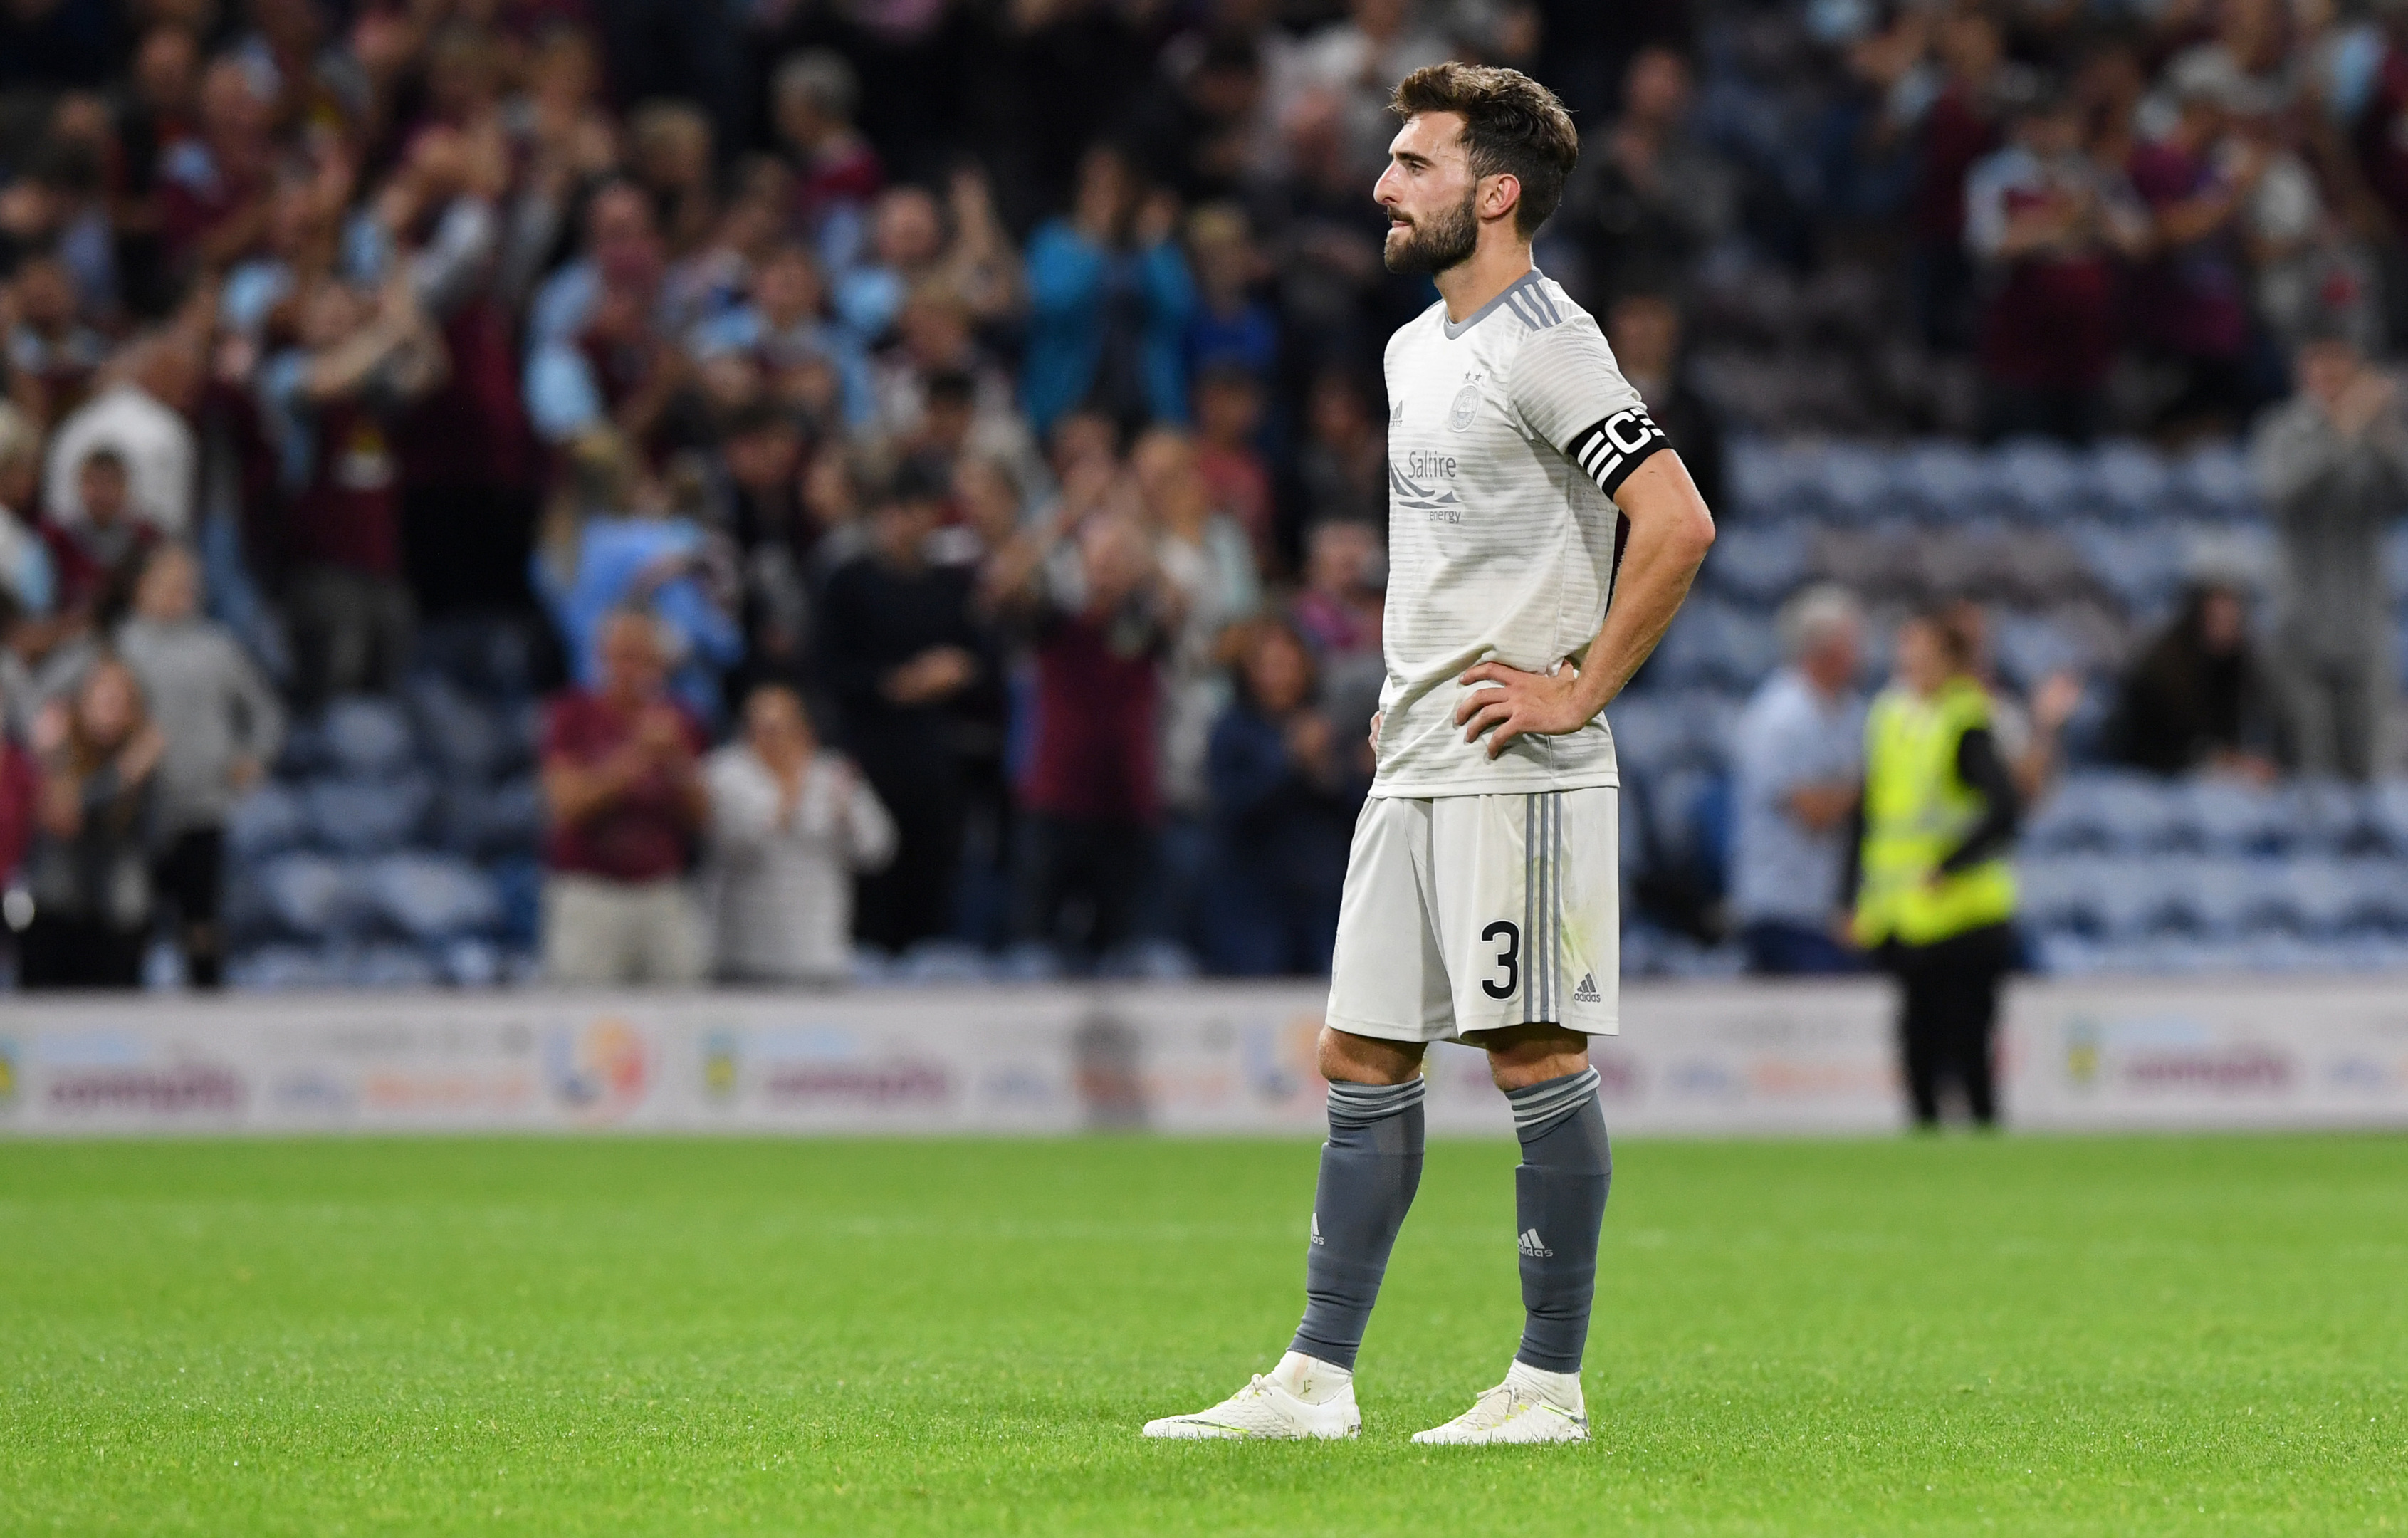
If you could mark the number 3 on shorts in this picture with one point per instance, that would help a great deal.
(1509, 958)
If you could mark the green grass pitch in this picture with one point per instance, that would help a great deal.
(622, 1337)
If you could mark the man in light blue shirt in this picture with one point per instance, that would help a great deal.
(1800, 751)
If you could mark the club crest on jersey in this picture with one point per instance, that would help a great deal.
(1467, 406)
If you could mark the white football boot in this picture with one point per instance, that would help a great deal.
(1300, 1398)
(1528, 1406)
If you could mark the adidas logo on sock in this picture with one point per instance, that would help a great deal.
(1586, 992)
(1316, 1227)
(1531, 1245)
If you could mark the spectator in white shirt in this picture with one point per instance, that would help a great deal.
(141, 418)
(790, 824)
(1799, 746)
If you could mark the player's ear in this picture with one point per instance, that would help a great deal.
(1499, 194)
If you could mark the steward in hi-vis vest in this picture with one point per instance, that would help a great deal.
(1933, 892)
(1918, 812)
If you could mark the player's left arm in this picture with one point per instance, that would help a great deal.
(1671, 531)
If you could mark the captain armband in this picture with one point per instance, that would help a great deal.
(1612, 449)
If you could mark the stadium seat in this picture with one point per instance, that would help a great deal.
(2387, 815)
(470, 962)
(2238, 816)
(519, 884)
(2127, 480)
(2213, 481)
(313, 897)
(463, 736)
(362, 816)
(1945, 482)
(387, 967)
(932, 961)
(2105, 811)
(269, 821)
(283, 969)
(432, 897)
(2039, 481)
(1650, 732)
(367, 737)
(1759, 564)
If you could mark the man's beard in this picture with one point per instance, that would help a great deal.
(1436, 244)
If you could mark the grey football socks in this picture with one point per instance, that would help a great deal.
(1370, 1168)
(1559, 1206)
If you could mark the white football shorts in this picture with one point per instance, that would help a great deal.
(1465, 913)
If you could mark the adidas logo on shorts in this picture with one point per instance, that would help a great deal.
(1587, 993)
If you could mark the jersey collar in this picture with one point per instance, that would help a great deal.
(1456, 329)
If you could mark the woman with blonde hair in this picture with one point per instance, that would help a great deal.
(89, 871)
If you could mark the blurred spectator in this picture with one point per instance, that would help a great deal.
(1109, 298)
(1798, 752)
(2047, 225)
(1100, 616)
(625, 798)
(95, 550)
(2190, 304)
(1649, 200)
(1340, 614)
(1928, 877)
(1343, 472)
(26, 572)
(613, 541)
(1199, 137)
(595, 355)
(1285, 792)
(51, 353)
(332, 400)
(2333, 464)
(223, 727)
(89, 870)
(783, 329)
(140, 416)
(899, 652)
(1357, 62)
(790, 824)
(837, 172)
(2198, 696)
(762, 451)
(1956, 130)
(1229, 424)
(910, 253)
(2026, 731)
(1232, 327)
(1644, 331)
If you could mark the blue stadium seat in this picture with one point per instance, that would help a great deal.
(269, 821)
(2127, 481)
(489, 822)
(940, 961)
(387, 967)
(1650, 732)
(1945, 482)
(2106, 810)
(2214, 481)
(2387, 814)
(432, 897)
(2238, 816)
(470, 962)
(361, 816)
(465, 737)
(1759, 564)
(2039, 480)
(1847, 483)
(1149, 961)
(518, 882)
(283, 969)
(313, 897)
(367, 737)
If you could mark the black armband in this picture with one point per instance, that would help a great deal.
(1609, 450)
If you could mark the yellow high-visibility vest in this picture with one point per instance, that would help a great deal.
(1917, 812)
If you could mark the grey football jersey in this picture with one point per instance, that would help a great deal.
(1507, 435)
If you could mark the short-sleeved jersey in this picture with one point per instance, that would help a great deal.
(1508, 433)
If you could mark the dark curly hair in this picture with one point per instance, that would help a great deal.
(1512, 125)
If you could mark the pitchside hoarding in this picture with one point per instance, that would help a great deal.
(1692, 1060)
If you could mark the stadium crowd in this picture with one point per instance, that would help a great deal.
(936, 447)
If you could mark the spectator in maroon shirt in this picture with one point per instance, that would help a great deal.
(2047, 225)
(2190, 303)
(334, 400)
(1101, 618)
(213, 192)
(835, 168)
(623, 790)
(1959, 129)
(96, 552)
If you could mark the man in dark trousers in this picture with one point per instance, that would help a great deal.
(899, 652)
